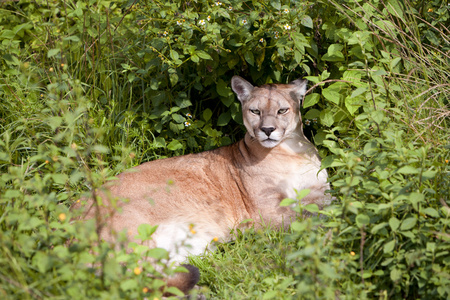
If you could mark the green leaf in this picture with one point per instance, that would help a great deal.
(173, 78)
(234, 43)
(159, 142)
(174, 109)
(249, 58)
(408, 223)
(378, 227)
(203, 54)
(55, 122)
(53, 52)
(331, 95)
(431, 212)
(270, 295)
(298, 226)
(431, 247)
(8, 34)
(181, 269)
(30, 223)
(191, 142)
(371, 148)
(326, 118)
(395, 8)
(353, 104)
(377, 116)
(394, 223)
(72, 38)
(195, 58)
(334, 53)
(260, 57)
(311, 114)
(145, 231)
(415, 198)
(394, 63)
(358, 92)
(60, 178)
(389, 246)
(174, 291)
(276, 4)
(335, 49)
(100, 149)
(4, 157)
(174, 127)
(362, 220)
(132, 76)
(298, 56)
(429, 174)
(353, 76)
(178, 118)
(396, 274)
(408, 234)
(42, 261)
(184, 103)
(224, 118)
(246, 221)
(312, 208)
(408, 170)
(158, 253)
(227, 101)
(174, 54)
(11, 59)
(129, 284)
(331, 162)
(311, 100)
(223, 88)
(78, 11)
(175, 145)
(287, 202)
(207, 114)
(328, 57)
(307, 21)
(302, 194)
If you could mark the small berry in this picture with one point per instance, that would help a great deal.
(62, 217)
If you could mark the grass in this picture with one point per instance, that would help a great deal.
(239, 269)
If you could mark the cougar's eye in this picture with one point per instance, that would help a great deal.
(255, 111)
(283, 111)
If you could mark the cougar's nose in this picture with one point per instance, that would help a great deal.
(268, 130)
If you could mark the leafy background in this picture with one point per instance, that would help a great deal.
(90, 88)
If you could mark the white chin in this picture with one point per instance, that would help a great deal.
(269, 143)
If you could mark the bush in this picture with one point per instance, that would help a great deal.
(91, 88)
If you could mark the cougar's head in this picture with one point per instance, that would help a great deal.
(271, 113)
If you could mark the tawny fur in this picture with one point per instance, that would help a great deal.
(214, 191)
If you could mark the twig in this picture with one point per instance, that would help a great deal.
(11, 90)
(326, 81)
(361, 253)
(25, 288)
(118, 24)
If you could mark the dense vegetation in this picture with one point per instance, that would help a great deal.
(90, 88)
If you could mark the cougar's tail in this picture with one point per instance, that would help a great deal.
(185, 281)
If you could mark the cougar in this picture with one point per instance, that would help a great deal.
(198, 198)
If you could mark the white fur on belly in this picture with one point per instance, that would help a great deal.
(180, 242)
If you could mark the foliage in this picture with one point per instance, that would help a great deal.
(90, 88)
(43, 253)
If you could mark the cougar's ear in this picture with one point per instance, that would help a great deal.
(299, 89)
(241, 87)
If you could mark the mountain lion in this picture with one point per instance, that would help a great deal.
(199, 198)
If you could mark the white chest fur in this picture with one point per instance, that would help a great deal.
(303, 173)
